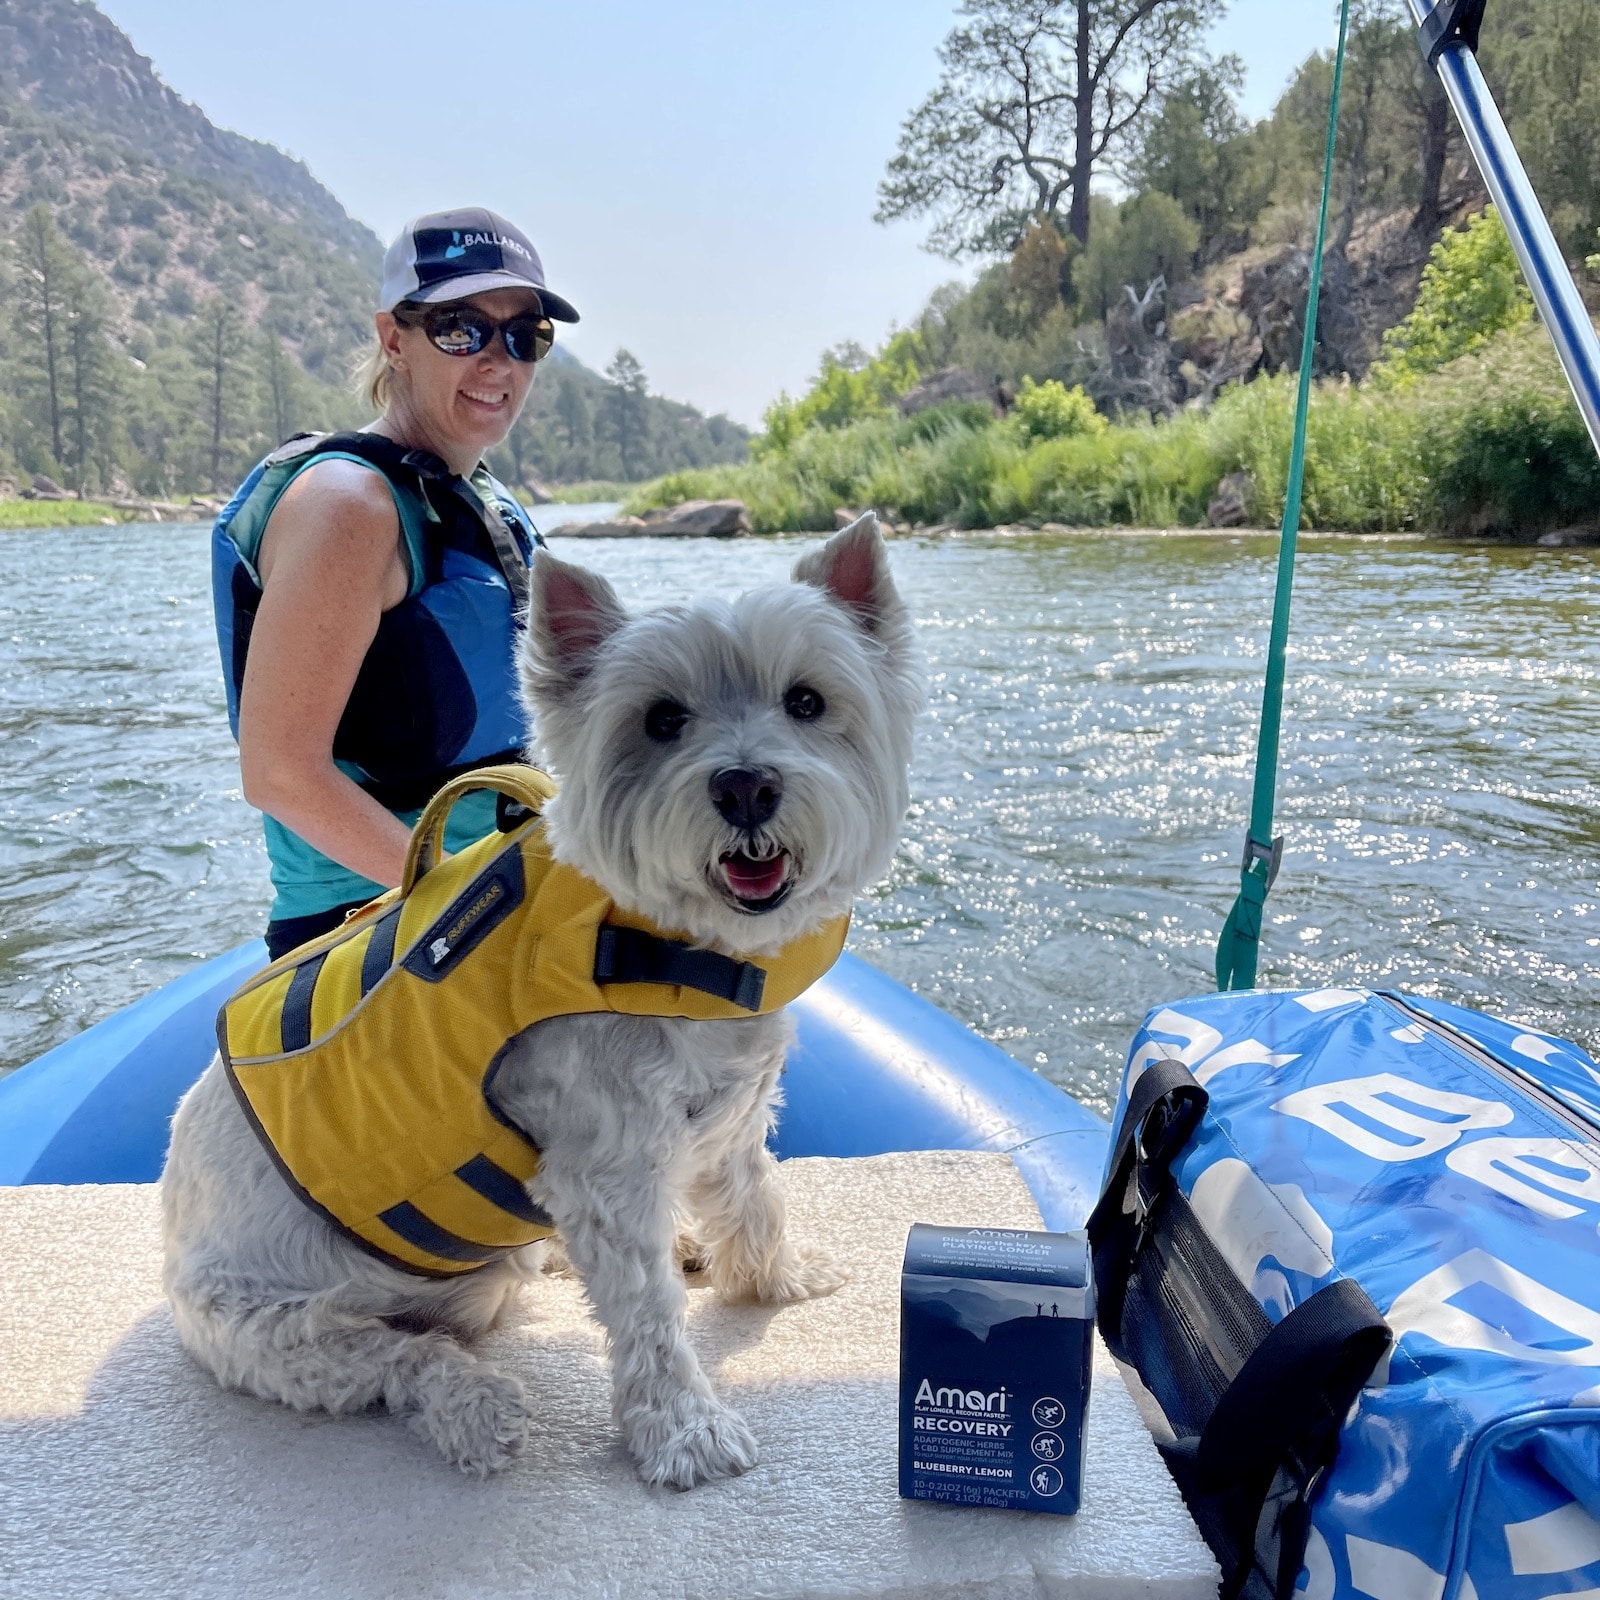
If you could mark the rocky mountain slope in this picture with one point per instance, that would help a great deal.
(173, 220)
(169, 207)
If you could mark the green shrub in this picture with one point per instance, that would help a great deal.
(1471, 290)
(934, 420)
(1049, 410)
(843, 394)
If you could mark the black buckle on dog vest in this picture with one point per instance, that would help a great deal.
(630, 955)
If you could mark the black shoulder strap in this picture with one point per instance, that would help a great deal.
(395, 460)
(630, 955)
(1275, 1430)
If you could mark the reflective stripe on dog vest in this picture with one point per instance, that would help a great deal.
(365, 1060)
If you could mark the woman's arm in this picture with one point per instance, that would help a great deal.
(330, 565)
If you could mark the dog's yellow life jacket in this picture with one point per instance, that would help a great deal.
(366, 1059)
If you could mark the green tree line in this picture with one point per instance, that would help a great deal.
(579, 427)
(167, 408)
(164, 408)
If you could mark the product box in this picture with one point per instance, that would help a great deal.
(995, 1346)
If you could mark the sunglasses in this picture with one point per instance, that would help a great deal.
(464, 331)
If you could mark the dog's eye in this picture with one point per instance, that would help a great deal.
(665, 719)
(803, 703)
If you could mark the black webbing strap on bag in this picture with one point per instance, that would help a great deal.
(1163, 1108)
(1275, 1431)
(1249, 1473)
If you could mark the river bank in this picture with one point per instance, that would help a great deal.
(1491, 445)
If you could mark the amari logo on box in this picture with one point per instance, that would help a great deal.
(961, 1399)
(960, 1411)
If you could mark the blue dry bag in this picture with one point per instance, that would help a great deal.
(1347, 1253)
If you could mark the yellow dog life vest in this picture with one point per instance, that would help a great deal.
(365, 1059)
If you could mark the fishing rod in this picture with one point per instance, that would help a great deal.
(1447, 31)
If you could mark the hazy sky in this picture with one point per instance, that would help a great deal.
(699, 178)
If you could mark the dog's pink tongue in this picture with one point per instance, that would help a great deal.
(754, 880)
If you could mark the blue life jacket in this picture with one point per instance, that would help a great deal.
(436, 694)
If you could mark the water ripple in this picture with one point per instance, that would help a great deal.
(1081, 788)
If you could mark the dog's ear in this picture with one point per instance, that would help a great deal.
(853, 567)
(571, 613)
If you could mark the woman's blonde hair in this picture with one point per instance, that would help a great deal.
(373, 378)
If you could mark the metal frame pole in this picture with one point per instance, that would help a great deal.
(1543, 265)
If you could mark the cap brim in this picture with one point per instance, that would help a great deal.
(554, 307)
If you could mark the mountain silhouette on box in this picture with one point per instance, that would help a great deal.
(962, 1358)
(975, 1306)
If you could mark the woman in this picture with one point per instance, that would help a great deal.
(367, 584)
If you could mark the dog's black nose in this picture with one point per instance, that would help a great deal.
(746, 796)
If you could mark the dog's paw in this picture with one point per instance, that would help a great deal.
(477, 1416)
(802, 1272)
(693, 1439)
(690, 1252)
(554, 1262)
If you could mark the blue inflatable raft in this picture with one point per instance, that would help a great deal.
(875, 1069)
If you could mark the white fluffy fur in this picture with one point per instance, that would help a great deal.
(646, 1123)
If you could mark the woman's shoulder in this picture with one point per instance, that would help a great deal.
(338, 512)
(333, 482)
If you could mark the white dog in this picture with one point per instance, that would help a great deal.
(735, 771)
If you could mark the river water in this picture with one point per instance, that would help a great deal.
(1080, 794)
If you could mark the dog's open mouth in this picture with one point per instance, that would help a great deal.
(758, 884)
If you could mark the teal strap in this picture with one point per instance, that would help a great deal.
(1241, 933)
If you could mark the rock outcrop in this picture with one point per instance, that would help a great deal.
(1230, 505)
(694, 519)
(1246, 315)
(951, 384)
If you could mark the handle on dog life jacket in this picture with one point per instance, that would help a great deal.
(526, 785)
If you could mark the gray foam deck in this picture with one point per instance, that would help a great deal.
(125, 1472)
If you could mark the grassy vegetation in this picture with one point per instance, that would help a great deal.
(16, 514)
(590, 492)
(1491, 443)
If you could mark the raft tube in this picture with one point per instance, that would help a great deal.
(874, 1069)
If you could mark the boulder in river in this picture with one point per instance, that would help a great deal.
(700, 519)
(694, 519)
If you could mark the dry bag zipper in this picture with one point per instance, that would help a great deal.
(1515, 1076)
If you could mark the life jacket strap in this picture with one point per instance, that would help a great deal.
(389, 457)
(631, 955)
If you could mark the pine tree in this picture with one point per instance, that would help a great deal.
(217, 335)
(93, 379)
(44, 263)
(625, 415)
(280, 388)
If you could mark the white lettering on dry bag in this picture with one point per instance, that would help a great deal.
(1563, 1540)
(1425, 1308)
(1200, 1053)
(1425, 1134)
(1389, 1573)
(1507, 1166)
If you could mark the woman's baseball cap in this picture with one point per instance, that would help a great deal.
(448, 255)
